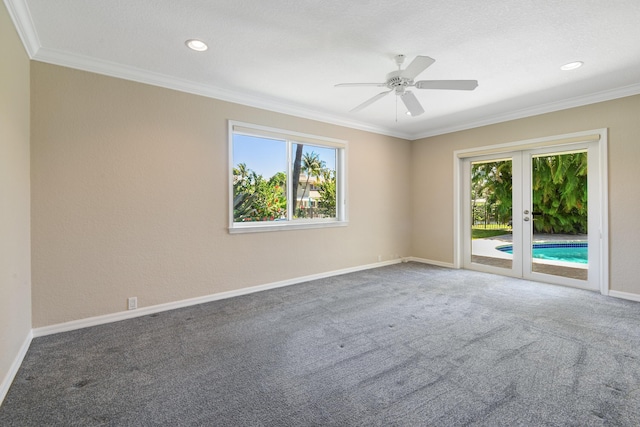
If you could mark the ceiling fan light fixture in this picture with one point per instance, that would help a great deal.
(572, 66)
(197, 45)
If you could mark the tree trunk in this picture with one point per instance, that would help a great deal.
(296, 176)
(304, 191)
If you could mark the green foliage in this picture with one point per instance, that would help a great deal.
(480, 233)
(312, 166)
(243, 209)
(256, 199)
(559, 191)
(492, 182)
(327, 190)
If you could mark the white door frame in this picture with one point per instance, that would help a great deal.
(598, 171)
(515, 157)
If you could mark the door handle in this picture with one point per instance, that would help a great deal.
(526, 212)
(526, 218)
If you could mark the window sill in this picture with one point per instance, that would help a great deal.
(297, 225)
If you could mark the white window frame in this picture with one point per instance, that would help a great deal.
(290, 138)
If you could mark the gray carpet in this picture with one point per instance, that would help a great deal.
(405, 345)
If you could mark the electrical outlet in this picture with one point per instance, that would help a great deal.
(132, 303)
(379, 258)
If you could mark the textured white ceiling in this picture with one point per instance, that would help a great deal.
(287, 55)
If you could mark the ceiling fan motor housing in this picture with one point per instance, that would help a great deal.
(396, 81)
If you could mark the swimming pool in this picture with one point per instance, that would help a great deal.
(576, 252)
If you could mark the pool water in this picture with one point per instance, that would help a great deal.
(556, 251)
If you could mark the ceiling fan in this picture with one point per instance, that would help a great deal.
(398, 82)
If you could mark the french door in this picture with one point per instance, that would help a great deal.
(535, 214)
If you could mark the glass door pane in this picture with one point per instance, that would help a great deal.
(535, 214)
(559, 215)
(491, 213)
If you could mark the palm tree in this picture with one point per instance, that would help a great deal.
(327, 190)
(560, 193)
(296, 175)
(240, 172)
(492, 181)
(312, 166)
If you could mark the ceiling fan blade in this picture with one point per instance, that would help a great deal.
(418, 65)
(412, 104)
(370, 101)
(360, 84)
(447, 84)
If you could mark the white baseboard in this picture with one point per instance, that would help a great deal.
(624, 295)
(15, 366)
(144, 311)
(430, 261)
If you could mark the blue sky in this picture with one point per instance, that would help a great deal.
(268, 156)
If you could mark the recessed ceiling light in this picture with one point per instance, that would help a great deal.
(572, 66)
(197, 45)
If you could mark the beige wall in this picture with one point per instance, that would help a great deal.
(130, 190)
(432, 178)
(129, 195)
(15, 269)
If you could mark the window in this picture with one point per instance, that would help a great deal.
(284, 180)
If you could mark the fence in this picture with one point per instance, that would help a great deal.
(491, 225)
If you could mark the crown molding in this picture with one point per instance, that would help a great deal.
(113, 69)
(125, 72)
(578, 101)
(21, 17)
